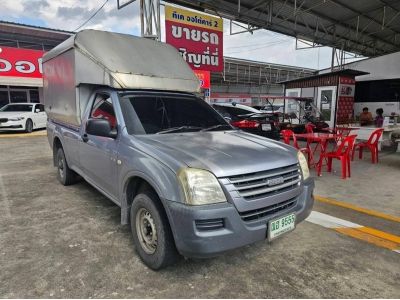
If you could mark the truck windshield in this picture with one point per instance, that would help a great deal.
(169, 114)
(17, 107)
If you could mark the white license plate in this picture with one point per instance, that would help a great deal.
(266, 127)
(281, 226)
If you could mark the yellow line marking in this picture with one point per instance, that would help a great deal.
(372, 239)
(380, 234)
(22, 135)
(358, 208)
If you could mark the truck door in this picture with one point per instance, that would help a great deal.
(97, 154)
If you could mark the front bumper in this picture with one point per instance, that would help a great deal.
(193, 242)
(12, 125)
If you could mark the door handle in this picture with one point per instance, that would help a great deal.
(85, 137)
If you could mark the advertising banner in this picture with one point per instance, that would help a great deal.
(17, 62)
(204, 77)
(198, 37)
(345, 106)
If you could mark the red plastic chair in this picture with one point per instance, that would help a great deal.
(310, 127)
(342, 153)
(288, 134)
(371, 144)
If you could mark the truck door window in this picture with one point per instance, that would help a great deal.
(103, 109)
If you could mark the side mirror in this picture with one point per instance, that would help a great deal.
(37, 110)
(100, 127)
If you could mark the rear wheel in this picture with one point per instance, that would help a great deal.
(29, 126)
(151, 231)
(64, 174)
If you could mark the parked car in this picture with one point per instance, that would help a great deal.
(187, 182)
(272, 108)
(22, 117)
(249, 119)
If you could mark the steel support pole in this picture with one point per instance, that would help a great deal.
(150, 19)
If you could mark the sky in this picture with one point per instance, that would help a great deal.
(262, 45)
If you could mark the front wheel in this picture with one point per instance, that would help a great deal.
(151, 232)
(29, 126)
(64, 174)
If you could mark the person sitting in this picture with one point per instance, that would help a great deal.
(379, 117)
(365, 117)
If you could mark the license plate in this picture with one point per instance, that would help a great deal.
(266, 127)
(281, 226)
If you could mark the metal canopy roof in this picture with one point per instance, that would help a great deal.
(28, 36)
(364, 27)
(242, 71)
(349, 72)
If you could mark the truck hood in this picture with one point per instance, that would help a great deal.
(223, 153)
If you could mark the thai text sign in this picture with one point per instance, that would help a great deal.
(198, 37)
(204, 78)
(19, 62)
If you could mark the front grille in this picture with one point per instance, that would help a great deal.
(3, 120)
(209, 224)
(263, 212)
(267, 183)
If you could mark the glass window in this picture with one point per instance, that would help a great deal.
(326, 104)
(238, 111)
(34, 96)
(17, 107)
(103, 109)
(159, 113)
(18, 96)
(3, 98)
(234, 113)
(40, 107)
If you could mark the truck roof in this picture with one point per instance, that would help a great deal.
(127, 62)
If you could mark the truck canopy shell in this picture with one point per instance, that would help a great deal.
(98, 58)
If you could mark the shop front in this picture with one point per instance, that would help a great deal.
(20, 75)
(333, 95)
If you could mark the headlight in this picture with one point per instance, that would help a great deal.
(303, 165)
(200, 187)
(16, 119)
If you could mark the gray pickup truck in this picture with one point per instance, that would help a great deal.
(124, 116)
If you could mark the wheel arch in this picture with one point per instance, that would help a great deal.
(57, 144)
(133, 186)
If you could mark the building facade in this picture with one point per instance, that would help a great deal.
(21, 51)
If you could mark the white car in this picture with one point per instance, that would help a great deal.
(22, 117)
(273, 108)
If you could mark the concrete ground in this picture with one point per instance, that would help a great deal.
(67, 242)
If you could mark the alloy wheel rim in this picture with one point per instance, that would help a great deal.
(146, 231)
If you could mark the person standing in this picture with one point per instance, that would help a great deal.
(379, 117)
(365, 117)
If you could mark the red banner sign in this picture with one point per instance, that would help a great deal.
(198, 37)
(346, 99)
(204, 77)
(19, 62)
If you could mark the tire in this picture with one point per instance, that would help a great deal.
(28, 126)
(64, 174)
(147, 220)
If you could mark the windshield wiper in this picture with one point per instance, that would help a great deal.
(180, 128)
(215, 127)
